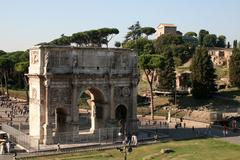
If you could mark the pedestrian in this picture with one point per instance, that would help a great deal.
(134, 140)
(8, 146)
(58, 147)
(225, 132)
(184, 125)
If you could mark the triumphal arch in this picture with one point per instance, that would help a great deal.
(59, 75)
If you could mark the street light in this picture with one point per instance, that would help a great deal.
(126, 145)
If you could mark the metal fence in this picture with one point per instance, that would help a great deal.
(18, 137)
(98, 137)
(102, 135)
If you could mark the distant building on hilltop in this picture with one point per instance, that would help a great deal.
(166, 29)
(220, 56)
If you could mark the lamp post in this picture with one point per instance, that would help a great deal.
(126, 146)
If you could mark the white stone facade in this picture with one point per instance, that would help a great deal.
(59, 75)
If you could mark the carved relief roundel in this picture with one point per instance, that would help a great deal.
(125, 91)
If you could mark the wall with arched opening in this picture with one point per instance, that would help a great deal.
(58, 75)
(97, 112)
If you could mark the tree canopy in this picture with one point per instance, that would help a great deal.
(134, 32)
(202, 74)
(95, 37)
(10, 66)
(201, 35)
(181, 50)
(190, 34)
(150, 63)
(148, 31)
(167, 75)
(209, 40)
(221, 41)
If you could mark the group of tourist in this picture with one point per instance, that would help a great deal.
(159, 123)
(11, 109)
(130, 140)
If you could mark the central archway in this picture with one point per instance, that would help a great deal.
(91, 109)
(121, 117)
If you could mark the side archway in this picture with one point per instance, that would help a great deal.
(96, 109)
(60, 119)
(121, 117)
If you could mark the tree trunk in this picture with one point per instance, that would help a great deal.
(151, 103)
(150, 74)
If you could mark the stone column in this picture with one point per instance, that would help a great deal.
(48, 139)
(111, 102)
(75, 110)
(133, 118)
(93, 117)
(134, 101)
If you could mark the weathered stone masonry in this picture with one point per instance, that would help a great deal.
(59, 75)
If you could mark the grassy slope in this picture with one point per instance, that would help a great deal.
(207, 149)
(18, 94)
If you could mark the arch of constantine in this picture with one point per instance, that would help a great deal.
(58, 76)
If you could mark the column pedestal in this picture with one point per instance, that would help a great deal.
(48, 138)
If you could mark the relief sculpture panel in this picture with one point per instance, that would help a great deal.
(34, 57)
(60, 96)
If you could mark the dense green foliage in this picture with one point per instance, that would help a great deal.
(190, 34)
(13, 66)
(149, 61)
(203, 74)
(134, 32)
(201, 35)
(234, 68)
(221, 41)
(167, 75)
(138, 45)
(181, 50)
(235, 44)
(211, 40)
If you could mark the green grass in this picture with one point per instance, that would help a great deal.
(17, 93)
(221, 72)
(204, 149)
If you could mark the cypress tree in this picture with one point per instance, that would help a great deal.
(202, 74)
(167, 75)
(234, 68)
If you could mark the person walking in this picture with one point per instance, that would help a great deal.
(134, 140)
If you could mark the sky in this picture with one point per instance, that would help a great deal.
(24, 23)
